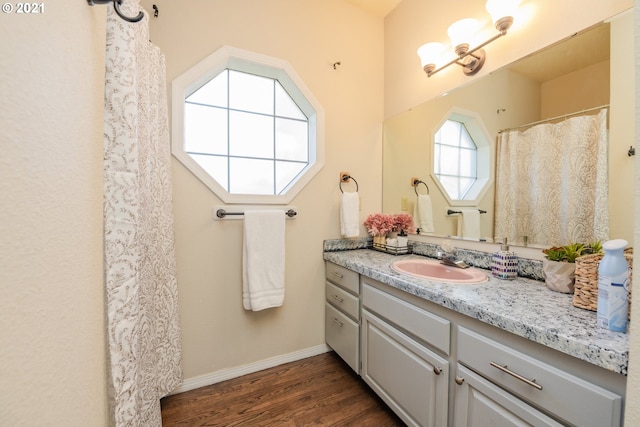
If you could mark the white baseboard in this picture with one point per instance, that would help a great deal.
(227, 374)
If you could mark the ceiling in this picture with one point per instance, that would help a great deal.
(377, 7)
(581, 50)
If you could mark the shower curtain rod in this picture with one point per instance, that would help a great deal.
(116, 7)
(555, 118)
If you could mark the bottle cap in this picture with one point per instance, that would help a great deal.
(613, 245)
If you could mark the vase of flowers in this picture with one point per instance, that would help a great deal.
(381, 225)
(378, 225)
(403, 224)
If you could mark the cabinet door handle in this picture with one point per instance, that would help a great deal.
(337, 298)
(338, 275)
(505, 369)
(437, 370)
(337, 322)
(459, 380)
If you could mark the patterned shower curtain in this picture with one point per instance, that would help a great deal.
(552, 184)
(143, 330)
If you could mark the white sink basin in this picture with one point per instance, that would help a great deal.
(434, 270)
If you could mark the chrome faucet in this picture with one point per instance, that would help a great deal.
(448, 256)
(454, 263)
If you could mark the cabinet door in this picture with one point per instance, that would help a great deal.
(341, 334)
(479, 403)
(410, 378)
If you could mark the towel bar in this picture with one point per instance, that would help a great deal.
(221, 213)
(344, 177)
(414, 184)
(452, 212)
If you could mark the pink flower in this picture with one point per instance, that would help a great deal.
(403, 223)
(379, 224)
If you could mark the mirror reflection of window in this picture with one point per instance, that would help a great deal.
(461, 157)
(455, 159)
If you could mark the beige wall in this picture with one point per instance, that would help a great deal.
(632, 405)
(52, 353)
(218, 334)
(622, 132)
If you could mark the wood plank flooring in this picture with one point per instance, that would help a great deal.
(317, 391)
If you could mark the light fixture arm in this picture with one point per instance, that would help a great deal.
(459, 59)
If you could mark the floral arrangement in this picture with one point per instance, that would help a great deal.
(403, 224)
(381, 224)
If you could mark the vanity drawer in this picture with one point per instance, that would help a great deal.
(570, 398)
(428, 327)
(342, 335)
(343, 300)
(343, 277)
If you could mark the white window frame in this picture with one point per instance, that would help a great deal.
(251, 62)
(478, 132)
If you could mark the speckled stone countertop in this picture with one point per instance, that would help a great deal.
(524, 307)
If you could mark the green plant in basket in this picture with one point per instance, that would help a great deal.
(569, 253)
(559, 264)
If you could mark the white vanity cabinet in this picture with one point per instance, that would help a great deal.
(435, 366)
(342, 313)
(398, 358)
(529, 382)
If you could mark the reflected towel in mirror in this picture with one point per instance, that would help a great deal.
(423, 214)
(469, 223)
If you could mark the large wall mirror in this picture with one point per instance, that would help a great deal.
(587, 70)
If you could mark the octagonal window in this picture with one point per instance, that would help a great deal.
(246, 126)
(461, 158)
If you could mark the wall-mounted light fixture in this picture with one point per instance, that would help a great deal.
(461, 33)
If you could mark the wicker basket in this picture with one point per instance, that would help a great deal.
(586, 285)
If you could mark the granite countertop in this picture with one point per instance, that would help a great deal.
(524, 307)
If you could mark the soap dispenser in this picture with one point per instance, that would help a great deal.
(504, 263)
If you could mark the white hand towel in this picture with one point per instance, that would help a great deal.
(469, 223)
(423, 214)
(350, 214)
(263, 259)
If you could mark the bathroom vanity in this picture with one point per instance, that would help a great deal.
(494, 353)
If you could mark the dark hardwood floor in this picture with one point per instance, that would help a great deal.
(317, 391)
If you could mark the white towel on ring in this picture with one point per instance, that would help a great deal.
(469, 223)
(263, 259)
(423, 214)
(350, 214)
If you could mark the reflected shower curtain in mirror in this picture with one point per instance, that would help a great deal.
(143, 331)
(552, 180)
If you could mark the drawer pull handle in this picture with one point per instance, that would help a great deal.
(505, 369)
(459, 380)
(337, 298)
(338, 275)
(437, 370)
(337, 322)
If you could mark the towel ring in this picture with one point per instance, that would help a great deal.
(415, 186)
(345, 178)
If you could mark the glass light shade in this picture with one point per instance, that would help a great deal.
(463, 31)
(501, 8)
(430, 53)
